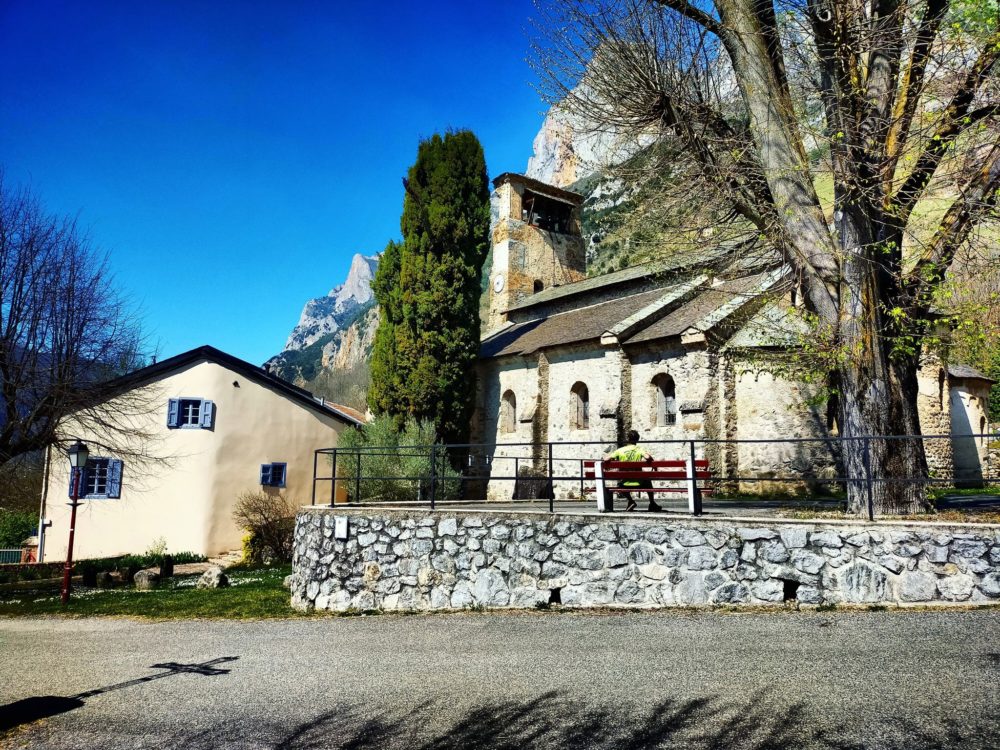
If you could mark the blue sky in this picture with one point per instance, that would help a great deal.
(233, 156)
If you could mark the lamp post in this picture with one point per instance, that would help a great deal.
(78, 455)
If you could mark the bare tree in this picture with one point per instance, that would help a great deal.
(66, 336)
(891, 101)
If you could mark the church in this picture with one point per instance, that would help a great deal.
(686, 348)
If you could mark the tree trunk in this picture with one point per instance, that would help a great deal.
(878, 391)
(887, 471)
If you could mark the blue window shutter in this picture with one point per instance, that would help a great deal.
(283, 475)
(207, 414)
(174, 412)
(114, 478)
(265, 474)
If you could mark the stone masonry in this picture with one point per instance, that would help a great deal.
(416, 560)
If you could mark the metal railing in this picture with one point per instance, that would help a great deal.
(817, 467)
(10, 556)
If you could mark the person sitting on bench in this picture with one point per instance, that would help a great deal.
(630, 451)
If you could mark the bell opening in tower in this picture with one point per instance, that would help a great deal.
(546, 213)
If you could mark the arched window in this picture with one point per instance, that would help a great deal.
(579, 407)
(942, 377)
(538, 286)
(666, 400)
(508, 412)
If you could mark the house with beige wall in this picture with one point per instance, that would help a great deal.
(205, 427)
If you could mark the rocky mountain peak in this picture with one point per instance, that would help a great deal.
(325, 315)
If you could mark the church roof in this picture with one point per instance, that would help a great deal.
(701, 310)
(574, 326)
(773, 325)
(707, 309)
(647, 271)
(561, 194)
(964, 371)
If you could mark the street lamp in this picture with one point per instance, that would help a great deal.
(78, 455)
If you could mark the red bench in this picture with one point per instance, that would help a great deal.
(677, 474)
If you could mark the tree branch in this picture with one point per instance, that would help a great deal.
(910, 85)
(977, 200)
(955, 121)
(697, 15)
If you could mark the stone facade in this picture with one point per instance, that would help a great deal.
(719, 335)
(402, 560)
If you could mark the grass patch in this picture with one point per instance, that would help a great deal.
(253, 593)
(939, 493)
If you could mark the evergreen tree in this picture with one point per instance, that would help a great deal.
(384, 394)
(428, 338)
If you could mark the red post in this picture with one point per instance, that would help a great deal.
(68, 570)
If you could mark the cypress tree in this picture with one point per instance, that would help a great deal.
(384, 391)
(428, 338)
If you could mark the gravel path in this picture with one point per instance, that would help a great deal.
(912, 679)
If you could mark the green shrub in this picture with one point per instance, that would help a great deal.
(404, 456)
(16, 526)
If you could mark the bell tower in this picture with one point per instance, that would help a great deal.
(536, 240)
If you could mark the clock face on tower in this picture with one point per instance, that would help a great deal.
(498, 283)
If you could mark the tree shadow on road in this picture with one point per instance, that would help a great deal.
(28, 710)
(553, 720)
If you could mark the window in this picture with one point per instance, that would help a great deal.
(196, 413)
(665, 398)
(101, 478)
(537, 286)
(579, 407)
(273, 475)
(508, 412)
(190, 412)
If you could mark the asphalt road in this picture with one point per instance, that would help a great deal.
(609, 680)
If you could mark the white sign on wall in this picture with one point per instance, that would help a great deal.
(340, 527)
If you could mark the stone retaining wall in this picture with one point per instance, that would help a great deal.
(416, 560)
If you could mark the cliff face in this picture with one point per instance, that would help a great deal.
(328, 349)
(354, 344)
(568, 149)
(326, 315)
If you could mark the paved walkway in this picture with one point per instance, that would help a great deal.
(673, 506)
(883, 680)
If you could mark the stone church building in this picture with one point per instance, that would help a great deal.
(677, 349)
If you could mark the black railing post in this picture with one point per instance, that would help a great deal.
(868, 478)
(694, 491)
(357, 481)
(333, 480)
(433, 475)
(552, 483)
(315, 463)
